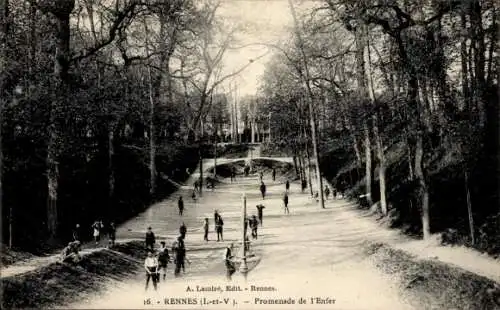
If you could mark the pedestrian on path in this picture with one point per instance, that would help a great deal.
(193, 195)
(263, 190)
(285, 201)
(261, 176)
(163, 259)
(180, 255)
(183, 230)
(76, 233)
(205, 229)
(334, 194)
(151, 266)
(274, 174)
(254, 224)
(150, 239)
(196, 185)
(327, 192)
(97, 226)
(111, 234)
(180, 205)
(228, 259)
(219, 227)
(304, 185)
(260, 209)
(287, 186)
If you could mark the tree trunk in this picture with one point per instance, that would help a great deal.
(61, 11)
(479, 48)
(152, 146)
(4, 59)
(309, 174)
(111, 154)
(469, 207)
(376, 131)
(360, 40)
(424, 192)
(201, 169)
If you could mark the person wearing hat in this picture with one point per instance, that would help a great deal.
(151, 266)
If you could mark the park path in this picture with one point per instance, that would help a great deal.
(311, 252)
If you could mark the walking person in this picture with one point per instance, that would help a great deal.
(233, 174)
(274, 174)
(97, 226)
(193, 196)
(111, 234)
(228, 257)
(254, 224)
(163, 259)
(219, 227)
(183, 230)
(179, 250)
(150, 239)
(76, 233)
(287, 186)
(151, 266)
(334, 194)
(263, 190)
(327, 192)
(180, 205)
(285, 201)
(205, 229)
(260, 209)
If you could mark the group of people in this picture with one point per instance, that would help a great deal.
(97, 229)
(157, 260)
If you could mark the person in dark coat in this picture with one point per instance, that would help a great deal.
(228, 257)
(254, 224)
(180, 204)
(219, 227)
(274, 174)
(304, 184)
(287, 186)
(263, 190)
(183, 230)
(112, 234)
(285, 201)
(163, 259)
(327, 191)
(150, 239)
(260, 212)
(205, 229)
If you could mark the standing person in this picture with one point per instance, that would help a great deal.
(196, 185)
(233, 174)
(304, 184)
(259, 212)
(163, 259)
(180, 255)
(327, 191)
(254, 224)
(205, 229)
(112, 234)
(287, 186)
(263, 190)
(219, 226)
(97, 226)
(151, 266)
(261, 176)
(228, 256)
(183, 230)
(334, 194)
(285, 201)
(180, 204)
(76, 233)
(150, 239)
(274, 174)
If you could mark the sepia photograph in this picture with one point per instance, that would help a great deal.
(250, 154)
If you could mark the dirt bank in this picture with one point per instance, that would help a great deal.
(57, 283)
(435, 285)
